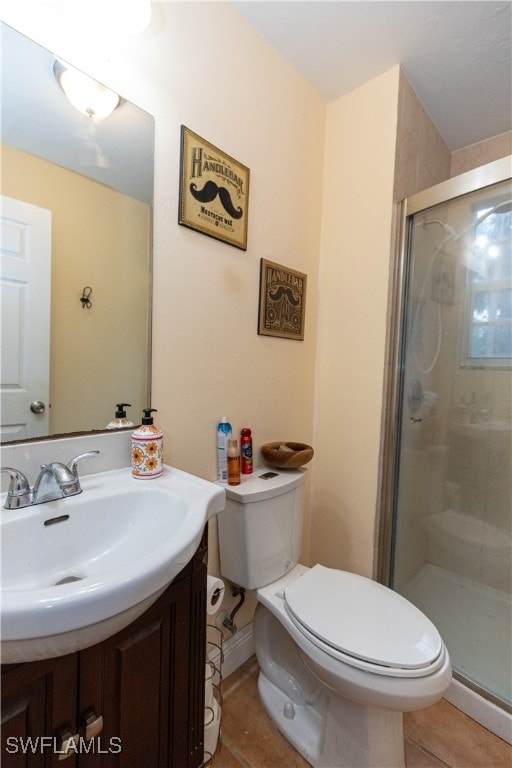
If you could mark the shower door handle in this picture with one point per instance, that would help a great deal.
(416, 396)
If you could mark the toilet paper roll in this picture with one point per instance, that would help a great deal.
(208, 684)
(214, 594)
(208, 694)
(211, 732)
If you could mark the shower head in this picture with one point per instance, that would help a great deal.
(504, 207)
(446, 227)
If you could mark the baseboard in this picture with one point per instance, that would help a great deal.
(486, 713)
(236, 650)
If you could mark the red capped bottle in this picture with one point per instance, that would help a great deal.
(246, 451)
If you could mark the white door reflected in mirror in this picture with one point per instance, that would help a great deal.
(25, 319)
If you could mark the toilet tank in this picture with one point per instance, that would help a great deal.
(260, 528)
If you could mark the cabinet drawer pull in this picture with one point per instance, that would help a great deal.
(68, 744)
(93, 725)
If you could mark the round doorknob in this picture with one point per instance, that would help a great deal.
(37, 406)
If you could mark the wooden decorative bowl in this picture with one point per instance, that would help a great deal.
(285, 455)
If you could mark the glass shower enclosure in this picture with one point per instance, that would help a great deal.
(450, 527)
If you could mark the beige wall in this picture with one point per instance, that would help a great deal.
(355, 249)
(208, 360)
(96, 234)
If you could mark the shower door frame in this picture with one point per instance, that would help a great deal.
(458, 186)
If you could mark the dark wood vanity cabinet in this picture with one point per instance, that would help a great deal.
(38, 699)
(136, 700)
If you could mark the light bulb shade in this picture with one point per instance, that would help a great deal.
(133, 16)
(111, 19)
(87, 95)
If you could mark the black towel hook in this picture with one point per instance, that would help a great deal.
(85, 298)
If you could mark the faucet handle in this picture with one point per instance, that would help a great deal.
(19, 493)
(72, 466)
(18, 485)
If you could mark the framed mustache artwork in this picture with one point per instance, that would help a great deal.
(214, 191)
(282, 304)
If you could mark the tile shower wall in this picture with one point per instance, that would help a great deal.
(422, 158)
(477, 486)
(483, 152)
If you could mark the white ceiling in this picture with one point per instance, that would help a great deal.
(455, 53)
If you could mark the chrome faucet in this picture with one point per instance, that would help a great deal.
(55, 481)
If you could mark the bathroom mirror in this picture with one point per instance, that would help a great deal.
(89, 186)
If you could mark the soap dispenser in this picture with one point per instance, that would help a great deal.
(120, 421)
(147, 448)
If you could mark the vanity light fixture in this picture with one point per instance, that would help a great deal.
(86, 94)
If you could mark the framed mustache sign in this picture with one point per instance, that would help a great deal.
(282, 301)
(214, 191)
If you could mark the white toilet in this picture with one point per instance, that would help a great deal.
(341, 656)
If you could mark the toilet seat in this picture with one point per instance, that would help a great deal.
(363, 623)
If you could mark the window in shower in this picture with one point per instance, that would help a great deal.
(488, 338)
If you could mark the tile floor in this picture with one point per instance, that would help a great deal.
(438, 737)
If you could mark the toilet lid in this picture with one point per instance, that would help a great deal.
(363, 619)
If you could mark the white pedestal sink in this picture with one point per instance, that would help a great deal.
(77, 570)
